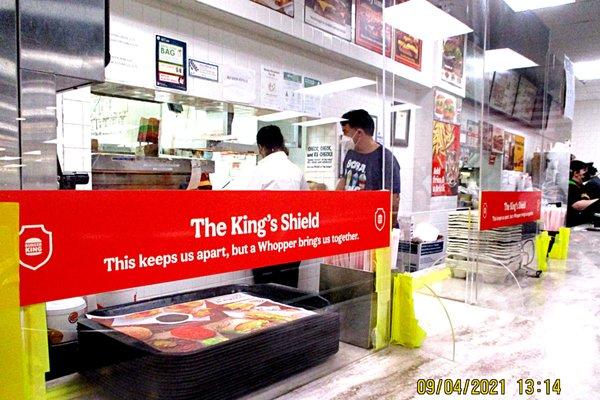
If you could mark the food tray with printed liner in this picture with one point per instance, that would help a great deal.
(216, 343)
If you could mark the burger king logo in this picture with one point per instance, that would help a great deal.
(73, 317)
(35, 246)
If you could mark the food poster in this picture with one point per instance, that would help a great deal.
(333, 16)
(408, 50)
(504, 91)
(519, 153)
(447, 107)
(191, 326)
(525, 103)
(486, 136)
(469, 151)
(283, 6)
(497, 140)
(508, 157)
(473, 134)
(446, 156)
(453, 60)
(368, 26)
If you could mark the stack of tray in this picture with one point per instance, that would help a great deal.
(141, 351)
(489, 248)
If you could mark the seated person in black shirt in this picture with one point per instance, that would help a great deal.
(581, 209)
(592, 182)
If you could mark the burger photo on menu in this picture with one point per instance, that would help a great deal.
(408, 50)
(453, 60)
(447, 107)
(332, 16)
(283, 6)
(369, 20)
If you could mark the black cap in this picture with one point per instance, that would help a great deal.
(577, 165)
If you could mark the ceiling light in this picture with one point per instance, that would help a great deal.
(7, 158)
(322, 121)
(404, 107)
(51, 108)
(51, 141)
(336, 86)
(524, 5)
(505, 59)
(587, 70)
(15, 166)
(33, 153)
(2, 148)
(280, 116)
(20, 119)
(423, 20)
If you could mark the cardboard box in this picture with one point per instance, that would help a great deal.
(418, 256)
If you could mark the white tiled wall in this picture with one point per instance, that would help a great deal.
(73, 110)
(586, 135)
(135, 24)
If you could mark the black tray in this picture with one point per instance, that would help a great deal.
(130, 369)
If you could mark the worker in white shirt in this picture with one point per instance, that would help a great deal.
(273, 172)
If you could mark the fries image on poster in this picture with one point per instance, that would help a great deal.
(446, 156)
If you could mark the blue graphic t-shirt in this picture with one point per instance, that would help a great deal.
(365, 171)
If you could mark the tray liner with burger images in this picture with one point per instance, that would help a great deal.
(215, 343)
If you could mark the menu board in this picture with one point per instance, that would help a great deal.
(191, 326)
(453, 60)
(525, 102)
(447, 107)
(408, 50)
(333, 16)
(283, 6)
(368, 27)
(171, 63)
(519, 153)
(504, 91)
(445, 171)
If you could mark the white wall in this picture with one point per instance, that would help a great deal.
(585, 143)
(73, 109)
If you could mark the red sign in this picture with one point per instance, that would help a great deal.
(78, 243)
(445, 171)
(498, 209)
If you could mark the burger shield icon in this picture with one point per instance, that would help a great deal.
(35, 246)
(380, 219)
